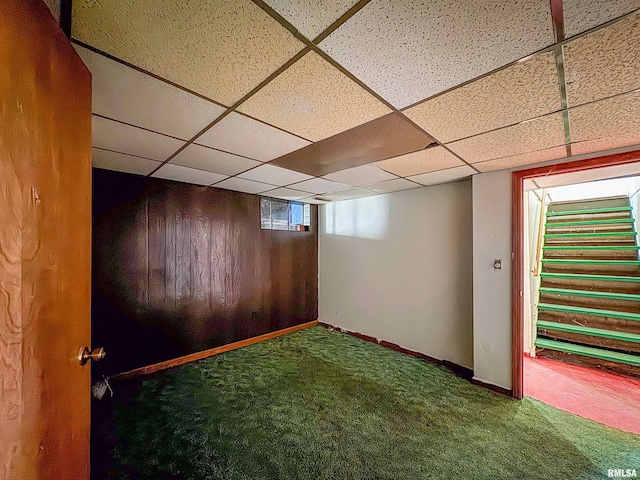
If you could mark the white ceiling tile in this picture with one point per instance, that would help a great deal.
(274, 175)
(240, 134)
(519, 92)
(350, 194)
(119, 137)
(121, 162)
(422, 161)
(603, 63)
(242, 185)
(408, 50)
(528, 158)
(581, 15)
(392, 186)
(319, 186)
(205, 158)
(219, 48)
(538, 134)
(311, 17)
(443, 176)
(125, 94)
(188, 175)
(314, 99)
(286, 194)
(361, 175)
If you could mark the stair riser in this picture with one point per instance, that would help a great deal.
(603, 365)
(587, 216)
(592, 254)
(591, 269)
(593, 242)
(619, 227)
(600, 286)
(592, 341)
(593, 321)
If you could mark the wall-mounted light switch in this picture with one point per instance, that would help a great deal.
(497, 264)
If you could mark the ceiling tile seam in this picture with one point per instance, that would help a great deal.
(549, 48)
(122, 122)
(229, 110)
(335, 25)
(146, 72)
(127, 154)
(224, 151)
(520, 154)
(383, 100)
(273, 126)
(557, 16)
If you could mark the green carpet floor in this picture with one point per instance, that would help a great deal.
(323, 405)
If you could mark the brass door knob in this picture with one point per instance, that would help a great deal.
(85, 355)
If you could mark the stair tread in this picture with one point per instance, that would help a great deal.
(588, 210)
(604, 221)
(581, 261)
(596, 332)
(602, 354)
(591, 293)
(590, 234)
(589, 311)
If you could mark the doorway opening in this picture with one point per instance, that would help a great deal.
(576, 331)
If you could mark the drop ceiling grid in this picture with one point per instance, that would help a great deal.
(239, 33)
(360, 86)
(582, 15)
(314, 100)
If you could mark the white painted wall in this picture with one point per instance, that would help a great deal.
(399, 267)
(492, 288)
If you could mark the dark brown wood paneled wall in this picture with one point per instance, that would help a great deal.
(179, 268)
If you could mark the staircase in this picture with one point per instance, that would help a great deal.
(589, 303)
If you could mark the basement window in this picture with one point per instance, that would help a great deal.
(277, 214)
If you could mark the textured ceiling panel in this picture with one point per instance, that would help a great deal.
(274, 175)
(389, 186)
(187, 175)
(122, 163)
(618, 116)
(313, 99)
(311, 17)
(240, 134)
(242, 185)
(525, 90)
(217, 48)
(603, 63)
(524, 159)
(384, 137)
(123, 138)
(319, 186)
(408, 50)
(362, 175)
(538, 134)
(423, 161)
(286, 194)
(125, 94)
(443, 176)
(602, 144)
(211, 160)
(581, 15)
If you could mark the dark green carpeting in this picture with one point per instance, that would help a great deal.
(323, 405)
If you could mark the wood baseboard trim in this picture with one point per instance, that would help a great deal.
(459, 370)
(174, 362)
(491, 386)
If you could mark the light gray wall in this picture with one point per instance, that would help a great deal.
(492, 288)
(399, 267)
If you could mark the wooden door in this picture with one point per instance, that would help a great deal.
(45, 248)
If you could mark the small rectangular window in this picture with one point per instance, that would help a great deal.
(276, 214)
